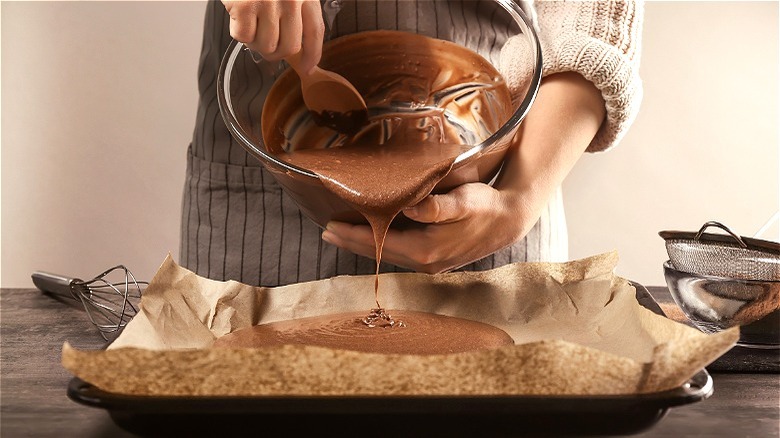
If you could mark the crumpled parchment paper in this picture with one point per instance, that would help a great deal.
(578, 329)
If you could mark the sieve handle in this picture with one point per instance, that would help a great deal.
(722, 227)
(54, 283)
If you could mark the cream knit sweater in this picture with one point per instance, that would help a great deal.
(598, 39)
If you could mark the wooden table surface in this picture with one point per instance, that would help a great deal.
(33, 402)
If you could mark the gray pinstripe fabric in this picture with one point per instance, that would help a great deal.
(236, 221)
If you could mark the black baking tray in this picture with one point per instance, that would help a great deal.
(374, 416)
(377, 416)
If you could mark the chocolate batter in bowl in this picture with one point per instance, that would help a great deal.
(395, 68)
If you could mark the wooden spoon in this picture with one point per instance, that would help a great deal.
(332, 99)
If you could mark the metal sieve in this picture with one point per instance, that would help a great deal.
(723, 255)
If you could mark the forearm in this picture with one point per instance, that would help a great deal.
(559, 127)
(600, 40)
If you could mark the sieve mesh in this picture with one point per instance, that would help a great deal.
(719, 255)
(723, 260)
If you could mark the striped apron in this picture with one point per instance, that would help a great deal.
(238, 224)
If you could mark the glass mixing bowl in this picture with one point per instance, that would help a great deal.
(245, 80)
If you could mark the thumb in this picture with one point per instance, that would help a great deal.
(437, 209)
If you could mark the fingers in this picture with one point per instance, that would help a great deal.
(243, 26)
(290, 30)
(313, 33)
(410, 249)
(358, 239)
(277, 29)
(266, 42)
(464, 225)
(446, 208)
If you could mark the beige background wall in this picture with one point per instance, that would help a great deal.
(98, 104)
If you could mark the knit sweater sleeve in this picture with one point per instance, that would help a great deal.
(601, 41)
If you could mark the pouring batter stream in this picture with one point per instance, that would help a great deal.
(379, 182)
(424, 111)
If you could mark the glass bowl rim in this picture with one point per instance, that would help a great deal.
(235, 47)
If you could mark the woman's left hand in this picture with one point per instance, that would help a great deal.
(461, 226)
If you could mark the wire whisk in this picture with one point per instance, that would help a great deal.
(110, 299)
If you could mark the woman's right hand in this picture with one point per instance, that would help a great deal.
(277, 29)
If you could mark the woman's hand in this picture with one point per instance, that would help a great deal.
(461, 226)
(277, 29)
(475, 220)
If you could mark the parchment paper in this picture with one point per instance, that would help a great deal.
(577, 326)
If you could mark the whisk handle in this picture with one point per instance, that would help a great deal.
(54, 283)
